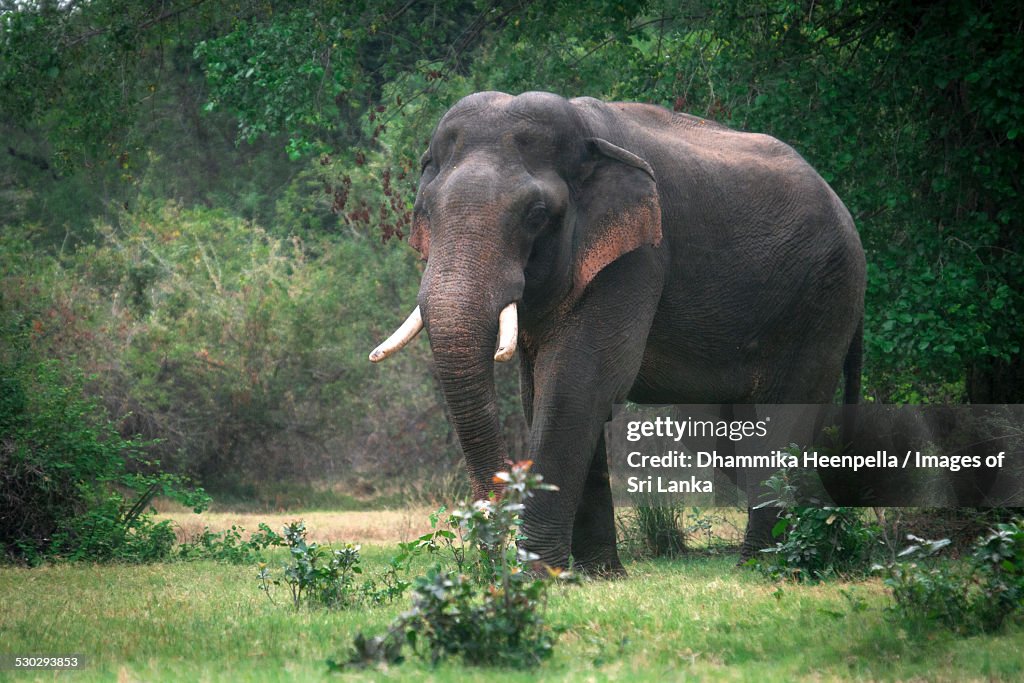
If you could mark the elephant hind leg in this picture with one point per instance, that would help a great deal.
(758, 535)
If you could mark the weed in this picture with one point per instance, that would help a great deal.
(228, 546)
(488, 611)
(968, 598)
(815, 543)
(317, 575)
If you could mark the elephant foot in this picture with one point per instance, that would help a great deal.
(749, 552)
(758, 535)
(600, 564)
(605, 570)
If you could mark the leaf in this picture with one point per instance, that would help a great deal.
(780, 528)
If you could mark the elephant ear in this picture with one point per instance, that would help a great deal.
(617, 211)
(419, 238)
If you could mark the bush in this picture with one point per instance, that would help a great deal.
(976, 596)
(71, 487)
(228, 546)
(317, 575)
(490, 615)
(816, 543)
(320, 576)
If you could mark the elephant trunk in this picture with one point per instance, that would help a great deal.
(466, 339)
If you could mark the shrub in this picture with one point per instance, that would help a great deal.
(975, 596)
(71, 487)
(815, 543)
(490, 615)
(318, 575)
(321, 576)
(818, 543)
(228, 546)
(258, 343)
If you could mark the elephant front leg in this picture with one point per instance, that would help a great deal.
(567, 448)
(593, 534)
(589, 361)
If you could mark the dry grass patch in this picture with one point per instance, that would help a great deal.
(371, 526)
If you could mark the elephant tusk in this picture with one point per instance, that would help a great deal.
(508, 332)
(402, 336)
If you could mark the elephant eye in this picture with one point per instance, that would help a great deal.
(536, 217)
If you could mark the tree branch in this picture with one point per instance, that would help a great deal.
(148, 24)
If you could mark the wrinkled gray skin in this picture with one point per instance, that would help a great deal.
(654, 257)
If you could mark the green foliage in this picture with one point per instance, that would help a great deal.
(490, 616)
(815, 543)
(317, 72)
(71, 487)
(321, 576)
(667, 530)
(228, 545)
(244, 353)
(820, 542)
(970, 597)
(318, 575)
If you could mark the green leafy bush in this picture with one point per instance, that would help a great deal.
(318, 575)
(815, 543)
(321, 576)
(975, 596)
(491, 614)
(71, 487)
(818, 543)
(228, 546)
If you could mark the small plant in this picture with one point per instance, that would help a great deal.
(325, 576)
(228, 546)
(999, 561)
(489, 614)
(317, 575)
(967, 598)
(669, 530)
(815, 543)
(445, 540)
(660, 529)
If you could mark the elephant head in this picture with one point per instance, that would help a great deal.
(521, 203)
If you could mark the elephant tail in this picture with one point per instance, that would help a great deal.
(853, 365)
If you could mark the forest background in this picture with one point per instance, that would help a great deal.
(203, 204)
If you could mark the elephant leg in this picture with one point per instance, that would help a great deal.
(593, 532)
(759, 531)
(588, 362)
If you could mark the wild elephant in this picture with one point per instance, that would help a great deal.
(628, 252)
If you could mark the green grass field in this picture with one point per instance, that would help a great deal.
(691, 619)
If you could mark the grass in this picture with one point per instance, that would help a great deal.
(696, 618)
(378, 526)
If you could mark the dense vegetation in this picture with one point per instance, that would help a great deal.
(203, 204)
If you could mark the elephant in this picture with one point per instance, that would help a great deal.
(628, 253)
